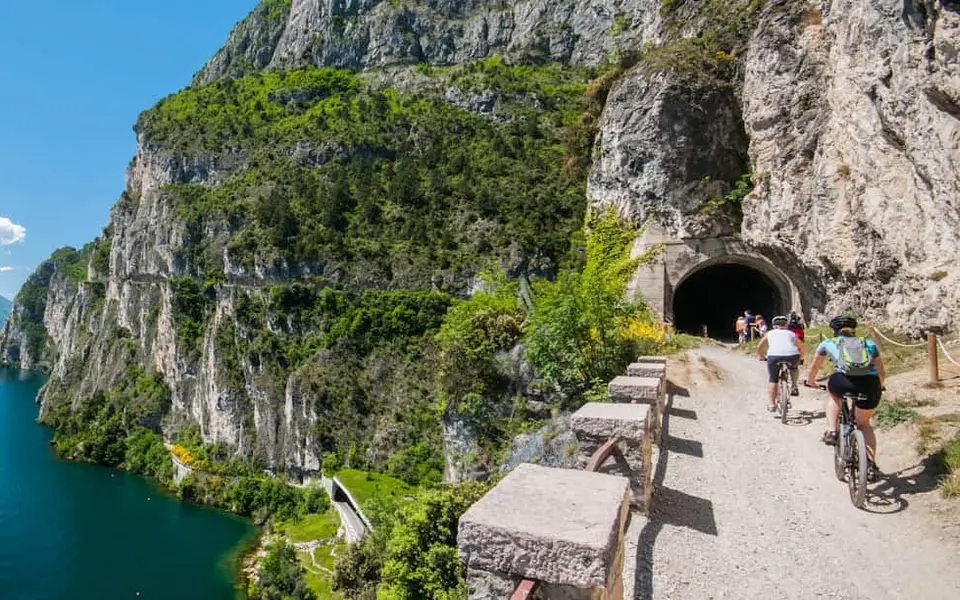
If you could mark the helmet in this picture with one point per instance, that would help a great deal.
(843, 322)
(779, 320)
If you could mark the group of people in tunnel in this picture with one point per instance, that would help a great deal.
(858, 370)
(748, 326)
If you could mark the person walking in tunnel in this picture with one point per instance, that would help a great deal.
(750, 320)
(780, 345)
(762, 326)
(741, 326)
(858, 370)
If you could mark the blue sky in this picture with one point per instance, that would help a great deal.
(73, 78)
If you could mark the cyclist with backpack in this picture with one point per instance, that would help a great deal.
(859, 370)
(780, 345)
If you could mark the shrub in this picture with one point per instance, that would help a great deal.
(582, 329)
(281, 576)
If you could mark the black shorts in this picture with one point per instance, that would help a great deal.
(868, 385)
(773, 365)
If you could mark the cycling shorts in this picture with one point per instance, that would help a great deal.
(868, 385)
(773, 365)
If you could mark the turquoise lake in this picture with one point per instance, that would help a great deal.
(78, 532)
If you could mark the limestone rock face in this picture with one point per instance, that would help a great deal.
(366, 34)
(666, 147)
(854, 122)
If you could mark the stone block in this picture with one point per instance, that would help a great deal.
(642, 390)
(635, 389)
(558, 526)
(658, 360)
(604, 420)
(656, 370)
(595, 423)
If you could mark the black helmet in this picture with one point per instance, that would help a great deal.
(843, 322)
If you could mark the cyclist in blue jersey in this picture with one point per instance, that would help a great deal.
(859, 370)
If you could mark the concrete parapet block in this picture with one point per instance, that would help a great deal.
(603, 421)
(632, 424)
(561, 527)
(655, 370)
(646, 390)
(656, 360)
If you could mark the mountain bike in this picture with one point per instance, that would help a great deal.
(850, 452)
(783, 391)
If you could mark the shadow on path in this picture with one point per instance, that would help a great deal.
(889, 495)
(670, 506)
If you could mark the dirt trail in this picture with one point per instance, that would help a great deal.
(746, 507)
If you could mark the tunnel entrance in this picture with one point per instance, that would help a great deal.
(714, 296)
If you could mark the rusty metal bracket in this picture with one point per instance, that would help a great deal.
(602, 454)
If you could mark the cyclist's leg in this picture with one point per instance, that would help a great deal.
(837, 386)
(794, 376)
(869, 386)
(773, 374)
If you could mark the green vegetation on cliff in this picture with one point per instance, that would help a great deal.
(377, 186)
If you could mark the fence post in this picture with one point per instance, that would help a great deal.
(932, 355)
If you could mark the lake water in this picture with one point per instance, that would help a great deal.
(73, 531)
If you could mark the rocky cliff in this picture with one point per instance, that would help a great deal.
(288, 230)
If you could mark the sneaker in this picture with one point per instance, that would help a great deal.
(772, 408)
(830, 438)
(873, 472)
(795, 392)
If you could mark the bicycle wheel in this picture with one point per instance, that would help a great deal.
(784, 398)
(857, 469)
(839, 462)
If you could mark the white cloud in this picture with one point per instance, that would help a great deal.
(10, 232)
(5, 269)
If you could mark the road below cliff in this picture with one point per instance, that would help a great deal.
(746, 507)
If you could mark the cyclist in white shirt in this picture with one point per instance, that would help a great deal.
(781, 345)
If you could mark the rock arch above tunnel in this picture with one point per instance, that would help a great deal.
(686, 269)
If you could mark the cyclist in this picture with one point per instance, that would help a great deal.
(859, 370)
(780, 345)
(795, 325)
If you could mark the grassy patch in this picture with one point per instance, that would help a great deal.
(312, 527)
(319, 567)
(950, 455)
(370, 489)
(891, 414)
(318, 580)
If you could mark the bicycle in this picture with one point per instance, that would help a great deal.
(783, 391)
(850, 452)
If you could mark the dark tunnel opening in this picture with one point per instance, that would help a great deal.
(715, 296)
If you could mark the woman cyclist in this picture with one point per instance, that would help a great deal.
(867, 380)
(780, 345)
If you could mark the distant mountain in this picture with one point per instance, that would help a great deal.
(5, 306)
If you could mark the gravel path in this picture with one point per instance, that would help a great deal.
(746, 507)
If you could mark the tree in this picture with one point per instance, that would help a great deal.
(422, 560)
(280, 576)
